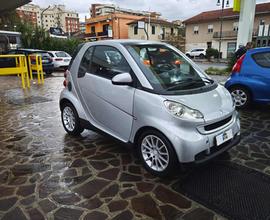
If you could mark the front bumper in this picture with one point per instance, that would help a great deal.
(216, 150)
(196, 147)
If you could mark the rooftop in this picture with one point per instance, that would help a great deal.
(227, 14)
(125, 41)
(153, 21)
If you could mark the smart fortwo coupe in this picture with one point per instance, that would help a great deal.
(151, 95)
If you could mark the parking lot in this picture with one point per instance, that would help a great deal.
(46, 174)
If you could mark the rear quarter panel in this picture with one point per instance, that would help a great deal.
(256, 77)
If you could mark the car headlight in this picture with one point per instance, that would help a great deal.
(182, 111)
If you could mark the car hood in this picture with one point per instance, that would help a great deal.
(212, 104)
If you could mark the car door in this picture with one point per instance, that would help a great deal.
(109, 106)
(193, 52)
(261, 72)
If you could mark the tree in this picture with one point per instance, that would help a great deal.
(9, 20)
(37, 38)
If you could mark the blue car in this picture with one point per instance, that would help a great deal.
(250, 78)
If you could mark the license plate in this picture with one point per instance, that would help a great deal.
(225, 136)
(66, 60)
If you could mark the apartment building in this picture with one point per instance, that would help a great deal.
(82, 27)
(156, 29)
(58, 16)
(30, 13)
(203, 30)
(107, 9)
(54, 16)
(112, 26)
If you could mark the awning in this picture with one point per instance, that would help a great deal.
(11, 4)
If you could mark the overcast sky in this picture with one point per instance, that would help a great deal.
(170, 9)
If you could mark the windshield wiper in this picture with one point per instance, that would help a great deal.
(189, 81)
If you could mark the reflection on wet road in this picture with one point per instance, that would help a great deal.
(46, 174)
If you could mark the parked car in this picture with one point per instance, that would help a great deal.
(47, 62)
(250, 78)
(197, 52)
(148, 94)
(61, 59)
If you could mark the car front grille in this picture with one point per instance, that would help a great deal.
(217, 124)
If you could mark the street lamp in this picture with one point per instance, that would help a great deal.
(221, 23)
(41, 15)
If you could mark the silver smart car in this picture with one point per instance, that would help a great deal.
(151, 95)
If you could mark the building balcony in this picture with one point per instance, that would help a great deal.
(102, 34)
(232, 34)
(91, 35)
(226, 34)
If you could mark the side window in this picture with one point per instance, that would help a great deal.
(262, 59)
(85, 63)
(108, 62)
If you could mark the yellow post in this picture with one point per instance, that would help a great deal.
(41, 70)
(236, 5)
(24, 63)
(17, 63)
(37, 66)
(30, 69)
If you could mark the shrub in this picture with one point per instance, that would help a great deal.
(38, 38)
(211, 52)
(231, 63)
(217, 71)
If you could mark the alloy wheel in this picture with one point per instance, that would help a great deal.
(155, 153)
(240, 97)
(68, 118)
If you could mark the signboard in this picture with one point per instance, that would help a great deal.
(260, 31)
(110, 33)
(236, 5)
(141, 24)
(57, 31)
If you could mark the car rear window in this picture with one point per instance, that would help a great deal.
(61, 54)
(262, 59)
(44, 54)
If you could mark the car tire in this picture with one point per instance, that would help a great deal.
(160, 161)
(188, 55)
(241, 95)
(201, 56)
(70, 119)
(49, 73)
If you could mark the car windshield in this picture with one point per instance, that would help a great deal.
(165, 69)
